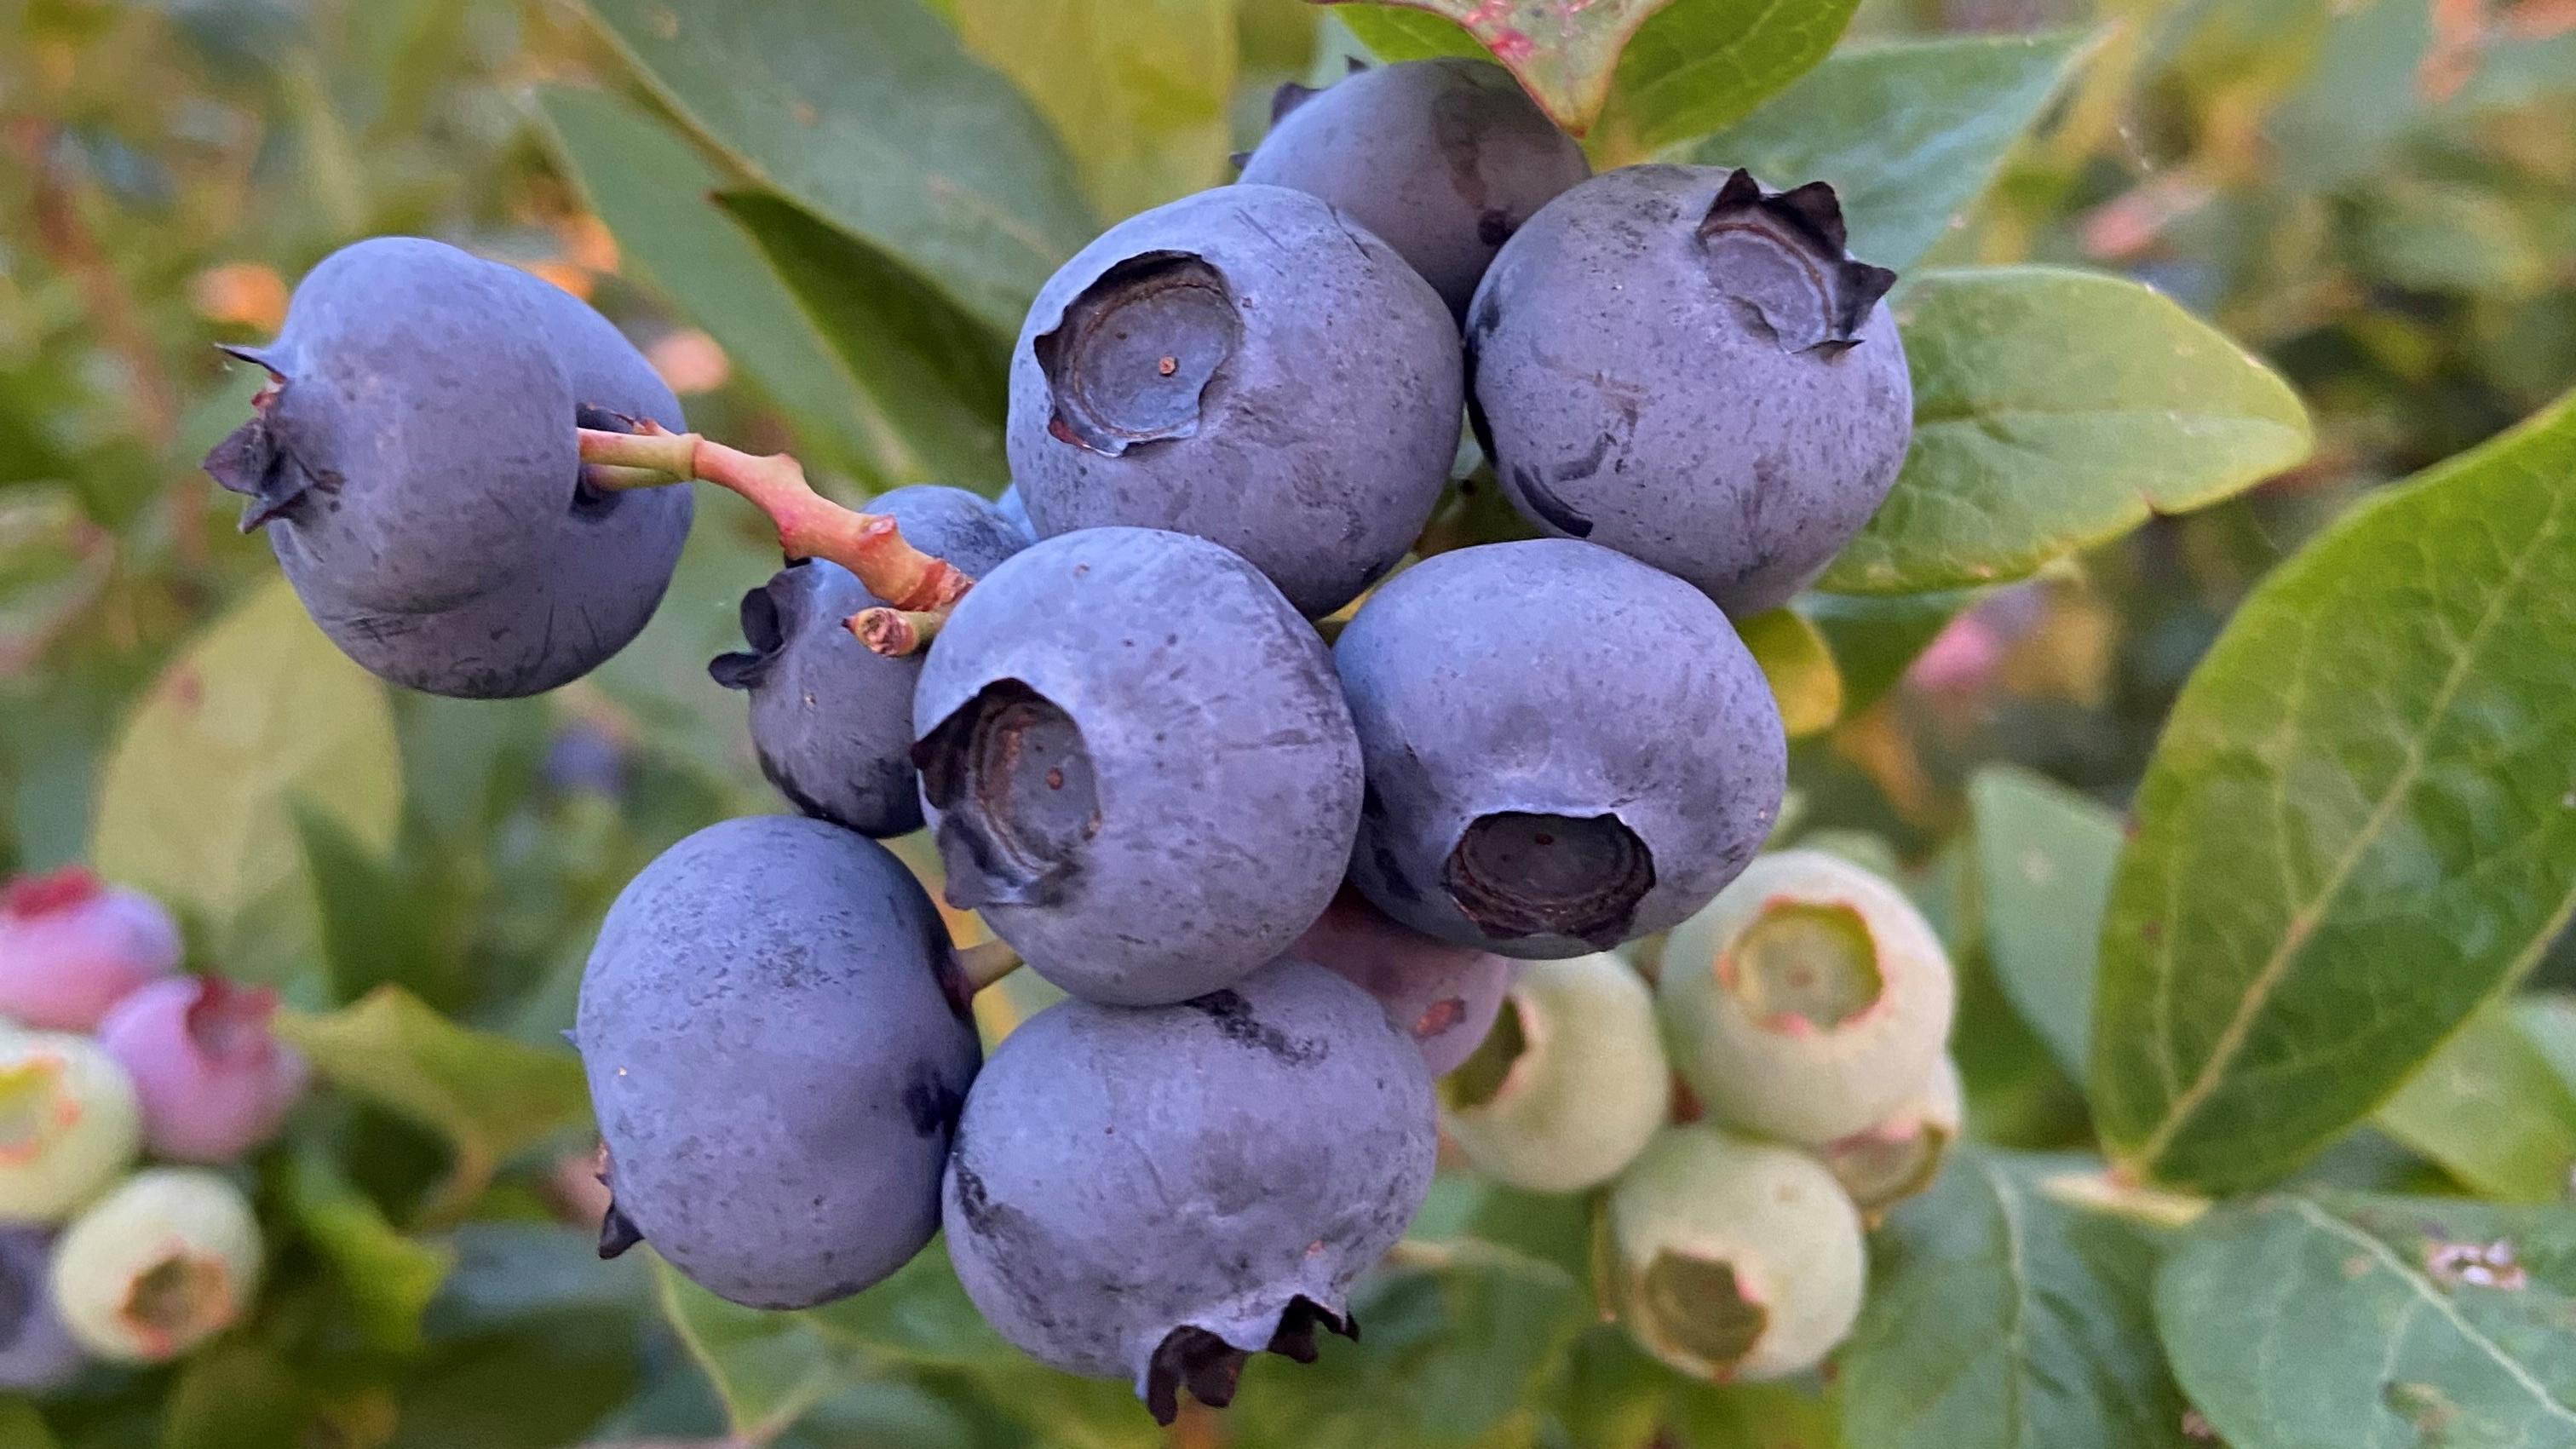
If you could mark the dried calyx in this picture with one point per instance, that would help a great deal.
(1012, 780)
(1517, 874)
(1208, 1366)
(1135, 352)
(1784, 256)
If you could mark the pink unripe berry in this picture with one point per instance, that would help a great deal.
(71, 947)
(214, 1081)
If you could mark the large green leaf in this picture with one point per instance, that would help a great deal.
(2343, 1322)
(2000, 1317)
(1701, 64)
(2045, 856)
(2357, 827)
(1910, 134)
(1393, 33)
(939, 378)
(2492, 1109)
(2053, 410)
(767, 1368)
(388, 1277)
(649, 186)
(1138, 89)
(873, 117)
(1562, 51)
(489, 1096)
(197, 800)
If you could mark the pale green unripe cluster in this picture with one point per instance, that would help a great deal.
(1808, 1002)
(1729, 1258)
(168, 1259)
(69, 1124)
(1569, 1084)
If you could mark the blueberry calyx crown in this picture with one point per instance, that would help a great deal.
(1822, 296)
(1208, 1366)
(253, 460)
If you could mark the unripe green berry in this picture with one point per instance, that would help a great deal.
(68, 1124)
(1882, 1165)
(1728, 1258)
(1808, 1001)
(167, 1260)
(1570, 1082)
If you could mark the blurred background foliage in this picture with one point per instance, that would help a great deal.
(2378, 197)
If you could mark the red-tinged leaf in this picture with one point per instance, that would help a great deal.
(1562, 51)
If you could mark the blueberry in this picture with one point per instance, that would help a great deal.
(831, 719)
(1675, 363)
(1445, 997)
(1443, 158)
(1899, 1155)
(1565, 749)
(69, 1125)
(213, 1081)
(158, 1266)
(777, 1040)
(1729, 1259)
(1249, 366)
(36, 1352)
(1808, 1002)
(1137, 764)
(1569, 1085)
(70, 946)
(1016, 512)
(415, 464)
(1155, 1194)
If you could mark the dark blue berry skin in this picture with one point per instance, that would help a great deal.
(36, 1351)
(777, 1040)
(1675, 363)
(1155, 1194)
(831, 719)
(1565, 748)
(418, 474)
(1246, 365)
(1010, 507)
(1137, 764)
(1443, 159)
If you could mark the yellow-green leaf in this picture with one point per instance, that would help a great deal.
(1800, 667)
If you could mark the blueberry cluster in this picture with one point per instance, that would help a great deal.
(108, 1054)
(1282, 884)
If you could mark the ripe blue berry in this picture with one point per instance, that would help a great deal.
(1137, 764)
(777, 1040)
(213, 1081)
(1444, 159)
(1249, 366)
(1565, 749)
(1675, 363)
(156, 1267)
(1155, 1194)
(831, 719)
(36, 1352)
(415, 464)
(71, 946)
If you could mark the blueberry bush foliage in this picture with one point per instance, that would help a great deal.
(2206, 676)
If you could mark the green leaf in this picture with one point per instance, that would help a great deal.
(21, 1427)
(873, 118)
(1910, 134)
(2045, 855)
(939, 378)
(1876, 637)
(2003, 1317)
(1702, 64)
(1393, 33)
(1138, 89)
(2054, 410)
(237, 1394)
(1561, 51)
(389, 1278)
(1800, 667)
(489, 1096)
(197, 799)
(767, 1368)
(1750, 1416)
(648, 186)
(379, 924)
(2329, 1322)
(2433, 237)
(2492, 1110)
(2358, 827)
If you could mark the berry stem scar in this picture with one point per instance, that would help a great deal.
(919, 588)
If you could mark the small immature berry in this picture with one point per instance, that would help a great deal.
(70, 946)
(1808, 1001)
(1444, 997)
(36, 1351)
(1884, 1164)
(1728, 1258)
(68, 1125)
(166, 1261)
(1570, 1083)
(213, 1081)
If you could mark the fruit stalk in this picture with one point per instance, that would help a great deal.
(896, 632)
(870, 546)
